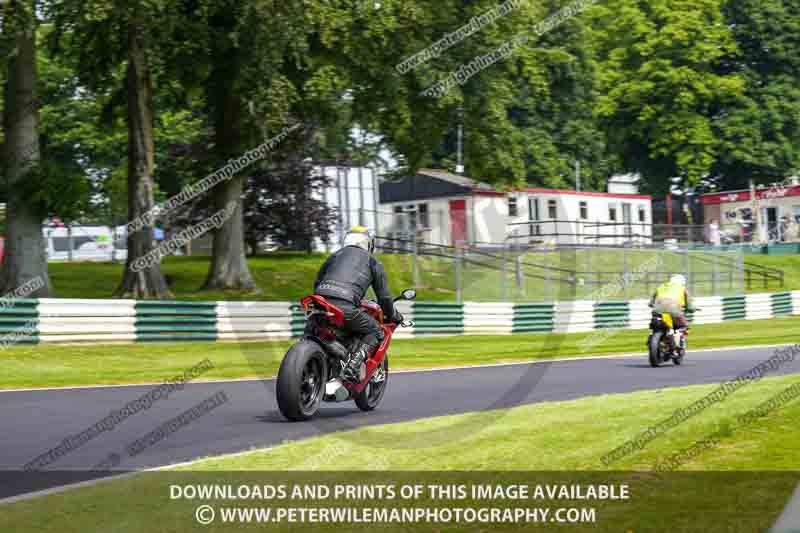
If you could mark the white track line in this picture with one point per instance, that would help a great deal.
(408, 371)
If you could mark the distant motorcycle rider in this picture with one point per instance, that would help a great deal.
(343, 280)
(673, 297)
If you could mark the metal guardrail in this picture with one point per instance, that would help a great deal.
(767, 275)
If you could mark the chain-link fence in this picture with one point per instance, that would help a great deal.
(512, 274)
(596, 273)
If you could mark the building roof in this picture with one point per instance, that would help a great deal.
(456, 179)
(433, 183)
(427, 184)
(566, 192)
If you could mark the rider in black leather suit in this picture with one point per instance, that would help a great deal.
(344, 279)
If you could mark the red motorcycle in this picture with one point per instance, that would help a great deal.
(311, 371)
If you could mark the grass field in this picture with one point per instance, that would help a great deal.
(281, 276)
(513, 444)
(289, 276)
(52, 366)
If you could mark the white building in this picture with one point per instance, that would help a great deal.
(88, 243)
(772, 214)
(352, 194)
(448, 208)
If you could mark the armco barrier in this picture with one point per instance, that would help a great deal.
(52, 320)
(781, 303)
(176, 321)
(734, 307)
(534, 318)
(20, 316)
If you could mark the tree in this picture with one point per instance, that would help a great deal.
(25, 257)
(148, 282)
(247, 43)
(105, 34)
(527, 118)
(760, 132)
(284, 202)
(660, 85)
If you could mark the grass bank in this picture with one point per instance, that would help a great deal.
(290, 276)
(512, 445)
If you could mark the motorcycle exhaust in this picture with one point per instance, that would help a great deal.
(335, 391)
(336, 349)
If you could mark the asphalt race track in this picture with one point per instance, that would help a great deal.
(34, 422)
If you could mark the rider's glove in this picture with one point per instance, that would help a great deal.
(398, 317)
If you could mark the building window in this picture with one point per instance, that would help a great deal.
(642, 214)
(399, 221)
(584, 210)
(533, 214)
(512, 206)
(612, 212)
(552, 210)
(424, 220)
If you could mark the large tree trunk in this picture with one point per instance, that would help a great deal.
(229, 268)
(140, 282)
(25, 259)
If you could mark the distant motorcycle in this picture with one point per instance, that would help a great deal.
(311, 371)
(665, 343)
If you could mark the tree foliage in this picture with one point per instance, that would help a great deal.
(689, 88)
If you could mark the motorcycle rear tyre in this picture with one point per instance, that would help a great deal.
(305, 355)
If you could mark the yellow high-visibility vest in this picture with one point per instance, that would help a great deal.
(672, 291)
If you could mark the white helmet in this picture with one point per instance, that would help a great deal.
(361, 237)
(678, 279)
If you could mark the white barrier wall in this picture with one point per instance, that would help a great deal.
(253, 320)
(107, 321)
(488, 318)
(61, 320)
(574, 317)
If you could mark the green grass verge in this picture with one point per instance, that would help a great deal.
(561, 436)
(53, 366)
(290, 276)
(533, 437)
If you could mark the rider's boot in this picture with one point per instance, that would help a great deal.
(676, 340)
(352, 370)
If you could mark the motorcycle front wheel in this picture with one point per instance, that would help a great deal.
(654, 348)
(301, 380)
(678, 359)
(371, 396)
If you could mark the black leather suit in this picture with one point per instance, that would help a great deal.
(344, 279)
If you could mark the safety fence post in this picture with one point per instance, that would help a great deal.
(459, 274)
(504, 273)
(414, 267)
(625, 274)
